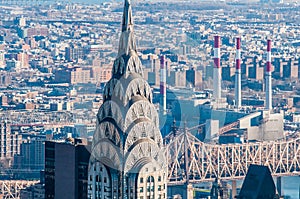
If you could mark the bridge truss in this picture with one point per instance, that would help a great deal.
(10, 189)
(192, 161)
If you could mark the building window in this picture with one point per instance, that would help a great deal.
(150, 187)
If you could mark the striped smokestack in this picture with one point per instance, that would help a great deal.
(268, 77)
(217, 68)
(163, 89)
(238, 95)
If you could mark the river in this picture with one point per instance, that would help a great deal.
(291, 186)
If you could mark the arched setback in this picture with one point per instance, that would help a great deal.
(109, 88)
(133, 65)
(111, 109)
(123, 89)
(107, 153)
(99, 182)
(137, 86)
(141, 153)
(141, 109)
(141, 130)
(109, 130)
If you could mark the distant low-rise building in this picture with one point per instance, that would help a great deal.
(193, 78)
(5, 79)
(36, 191)
(24, 32)
(228, 73)
(100, 74)
(56, 106)
(178, 78)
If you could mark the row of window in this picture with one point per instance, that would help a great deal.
(160, 196)
(150, 179)
(151, 188)
(98, 179)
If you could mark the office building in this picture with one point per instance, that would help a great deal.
(66, 169)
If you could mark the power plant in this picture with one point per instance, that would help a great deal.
(238, 86)
(217, 69)
(163, 83)
(268, 77)
(219, 121)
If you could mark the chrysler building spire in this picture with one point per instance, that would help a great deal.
(127, 23)
(127, 40)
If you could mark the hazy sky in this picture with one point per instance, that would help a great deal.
(99, 1)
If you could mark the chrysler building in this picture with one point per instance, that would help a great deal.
(127, 157)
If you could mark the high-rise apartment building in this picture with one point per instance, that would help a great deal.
(74, 52)
(2, 59)
(9, 142)
(23, 58)
(32, 155)
(80, 75)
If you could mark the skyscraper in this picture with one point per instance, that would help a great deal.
(127, 159)
(66, 169)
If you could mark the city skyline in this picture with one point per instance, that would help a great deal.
(223, 78)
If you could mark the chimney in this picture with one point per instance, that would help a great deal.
(238, 95)
(217, 69)
(163, 89)
(268, 77)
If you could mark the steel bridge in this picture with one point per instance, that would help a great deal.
(10, 189)
(192, 161)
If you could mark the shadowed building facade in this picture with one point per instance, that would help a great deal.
(127, 158)
(66, 169)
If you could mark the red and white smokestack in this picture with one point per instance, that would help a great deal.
(217, 68)
(269, 77)
(238, 88)
(163, 80)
